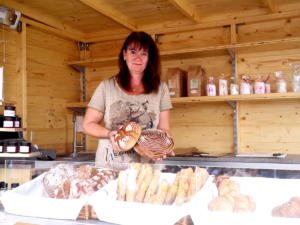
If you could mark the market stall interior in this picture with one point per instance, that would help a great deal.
(232, 68)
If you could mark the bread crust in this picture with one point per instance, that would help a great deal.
(127, 136)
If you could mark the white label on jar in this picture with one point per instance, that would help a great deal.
(172, 93)
(1, 148)
(8, 123)
(17, 124)
(193, 91)
(11, 149)
(10, 113)
(24, 149)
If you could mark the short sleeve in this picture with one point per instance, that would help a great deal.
(98, 99)
(165, 102)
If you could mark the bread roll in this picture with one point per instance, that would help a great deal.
(244, 204)
(229, 187)
(154, 144)
(122, 181)
(220, 204)
(144, 186)
(127, 136)
(153, 186)
(161, 193)
(289, 210)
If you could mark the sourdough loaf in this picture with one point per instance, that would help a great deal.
(127, 136)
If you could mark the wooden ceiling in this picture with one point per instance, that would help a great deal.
(97, 20)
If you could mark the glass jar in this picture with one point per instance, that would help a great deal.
(14, 186)
(2, 188)
(18, 123)
(9, 122)
(25, 147)
(10, 111)
(1, 146)
(12, 147)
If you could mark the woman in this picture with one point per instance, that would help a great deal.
(136, 94)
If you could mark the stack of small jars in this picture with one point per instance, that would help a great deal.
(10, 119)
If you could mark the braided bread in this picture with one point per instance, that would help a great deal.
(127, 136)
(154, 144)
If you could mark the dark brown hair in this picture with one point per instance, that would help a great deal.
(152, 73)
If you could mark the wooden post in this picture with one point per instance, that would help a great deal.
(21, 67)
(233, 33)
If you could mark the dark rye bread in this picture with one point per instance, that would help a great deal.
(154, 144)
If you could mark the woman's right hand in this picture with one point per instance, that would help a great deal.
(111, 136)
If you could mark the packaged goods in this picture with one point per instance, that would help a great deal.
(259, 85)
(223, 87)
(281, 86)
(295, 76)
(127, 136)
(203, 90)
(267, 85)
(194, 81)
(234, 87)
(246, 87)
(210, 87)
(177, 82)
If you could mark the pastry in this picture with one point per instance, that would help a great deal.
(154, 144)
(221, 204)
(220, 178)
(229, 187)
(244, 204)
(127, 136)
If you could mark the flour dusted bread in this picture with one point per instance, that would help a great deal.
(221, 204)
(56, 176)
(85, 172)
(127, 136)
(154, 144)
(290, 209)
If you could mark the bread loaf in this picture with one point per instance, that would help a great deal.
(161, 193)
(101, 179)
(154, 144)
(85, 172)
(63, 191)
(131, 187)
(144, 186)
(290, 209)
(183, 187)
(221, 204)
(153, 186)
(172, 192)
(75, 191)
(127, 136)
(244, 204)
(56, 176)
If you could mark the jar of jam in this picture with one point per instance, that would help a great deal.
(10, 111)
(25, 147)
(9, 122)
(18, 123)
(12, 147)
(1, 146)
(14, 186)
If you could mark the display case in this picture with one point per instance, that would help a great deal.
(164, 193)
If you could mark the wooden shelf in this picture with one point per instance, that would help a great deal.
(274, 45)
(6, 103)
(212, 99)
(12, 129)
(20, 155)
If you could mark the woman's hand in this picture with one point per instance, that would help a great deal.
(111, 136)
(165, 156)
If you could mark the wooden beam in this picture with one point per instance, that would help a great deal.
(189, 12)
(233, 33)
(270, 6)
(53, 31)
(101, 7)
(38, 16)
(21, 67)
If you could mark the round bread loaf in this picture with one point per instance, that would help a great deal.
(56, 176)
(127, 136)
(229, 187)
(244, 204)
(154, 144)
(85, 172)
(221, 204)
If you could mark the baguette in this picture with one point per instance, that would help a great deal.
(172, 192)
(131, 187)
(151, 200)
(183, 187)
(162, 193)
(122, 180)
(144, 186)
(153, 186)
(141, 176)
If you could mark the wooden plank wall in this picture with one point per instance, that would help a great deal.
(51, 84)
(268, 126)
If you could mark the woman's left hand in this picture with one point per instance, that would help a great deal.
(165, 156)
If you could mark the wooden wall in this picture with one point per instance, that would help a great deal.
(265, 126)
(50, 84)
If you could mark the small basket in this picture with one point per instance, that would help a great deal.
(85, 213)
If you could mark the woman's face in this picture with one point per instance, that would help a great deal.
(136, 60)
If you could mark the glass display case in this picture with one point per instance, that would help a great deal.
(170, 191)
